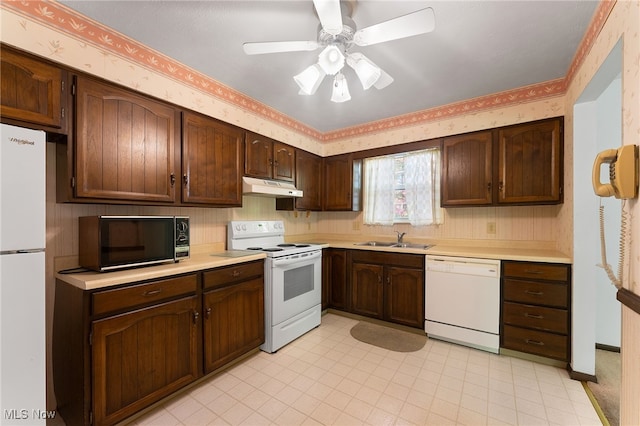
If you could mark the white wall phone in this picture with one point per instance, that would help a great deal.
(623, 184)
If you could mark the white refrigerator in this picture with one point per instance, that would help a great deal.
(22, 276)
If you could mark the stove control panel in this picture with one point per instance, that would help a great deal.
(255, 228)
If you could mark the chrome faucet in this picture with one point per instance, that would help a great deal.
(400, 235)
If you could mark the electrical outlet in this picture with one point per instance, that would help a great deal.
(491, 227)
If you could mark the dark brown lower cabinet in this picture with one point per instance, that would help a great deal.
(367, 290)
(233, 322)
(118, 350)
(334, 279)
(536, 308)
(388, 286)
(142, 356)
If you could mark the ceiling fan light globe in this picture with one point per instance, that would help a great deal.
(331, 60)
(309, 80)
(340, 91)
(368, 73)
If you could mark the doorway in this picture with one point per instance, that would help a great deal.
(597, 312)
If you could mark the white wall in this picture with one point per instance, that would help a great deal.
(609, 135)
(597, 124)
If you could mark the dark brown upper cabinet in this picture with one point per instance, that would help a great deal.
(268, 159)
(211, 161)
(514, 165)
(126, 145)
(530, 163)
(342, 183)
(32, 92)
(309, 180)
(467, 173)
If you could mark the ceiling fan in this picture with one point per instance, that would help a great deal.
(336, 36)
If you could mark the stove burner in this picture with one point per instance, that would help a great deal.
(272, 249)
(287, 245)
(303, 245)
(254, 248)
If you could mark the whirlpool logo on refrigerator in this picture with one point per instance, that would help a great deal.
(22, 141)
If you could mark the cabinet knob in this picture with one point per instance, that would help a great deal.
(488, 186)
(172, 179)
(196, 315)
(534, 293)
(534, 342)
(533, 316)
(500, 186)
(185, 178)
(207, 313)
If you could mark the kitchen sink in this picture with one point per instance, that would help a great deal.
(412, 245)
(395, 245)
(376, 244)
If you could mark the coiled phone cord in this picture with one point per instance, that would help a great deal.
(617, 282)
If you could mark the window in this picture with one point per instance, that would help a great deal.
(403, 188)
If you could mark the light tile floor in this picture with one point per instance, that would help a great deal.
(326, 377)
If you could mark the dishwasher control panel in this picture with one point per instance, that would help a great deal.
(464, 265)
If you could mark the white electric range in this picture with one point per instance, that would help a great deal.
(293, 279)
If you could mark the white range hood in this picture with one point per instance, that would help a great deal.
(269, 188)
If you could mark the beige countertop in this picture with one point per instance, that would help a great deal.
(216, 259)
(197, 262)
(531, 254)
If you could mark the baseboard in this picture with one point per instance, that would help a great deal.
(583, 377)
(608, 347)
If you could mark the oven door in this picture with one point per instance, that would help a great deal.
(296, 284)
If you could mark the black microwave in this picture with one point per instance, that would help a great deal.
(108, 243)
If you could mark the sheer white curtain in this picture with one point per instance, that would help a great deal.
(378, 191)
(422, 187)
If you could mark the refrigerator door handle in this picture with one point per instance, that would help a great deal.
(25, 251)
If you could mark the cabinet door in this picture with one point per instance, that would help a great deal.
(31, 90)
(143, 356)
(124, 145)
(211, 161)
(233, 322)
(258, 156)
(334, 278)
(367, 290)
(284, 164)
(338, 183)
(404, 296)
(467, 170)
(309, 180)
(530, 159)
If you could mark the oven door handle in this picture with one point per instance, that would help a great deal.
(297, 258)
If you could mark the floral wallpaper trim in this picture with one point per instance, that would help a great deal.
(597, 23)
(61, 18)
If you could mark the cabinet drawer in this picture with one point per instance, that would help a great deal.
(535, 342)
(538, 317)
(142, 294)
(536, 293)
(536, 271)
(229, 274)
(388, 258)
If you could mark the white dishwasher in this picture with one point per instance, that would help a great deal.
(462, 301)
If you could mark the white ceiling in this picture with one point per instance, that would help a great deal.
(478, 48)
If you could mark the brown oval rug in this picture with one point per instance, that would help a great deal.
(387, 337)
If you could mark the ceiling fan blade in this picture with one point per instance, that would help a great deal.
(419, 22)
(330, 15)
(261, 47)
